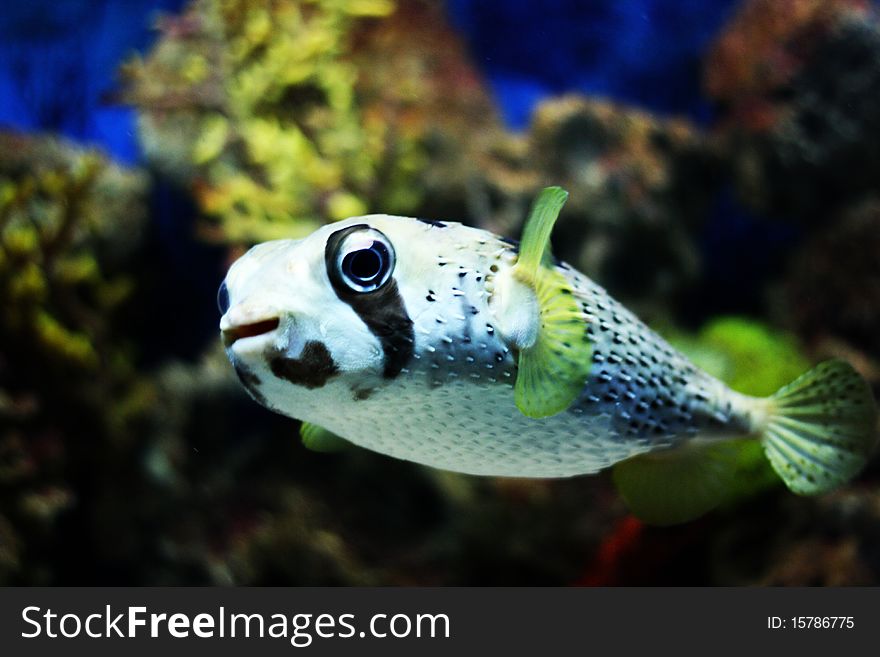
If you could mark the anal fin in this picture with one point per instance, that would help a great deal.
(677, 485)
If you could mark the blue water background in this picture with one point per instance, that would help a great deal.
(58, 58)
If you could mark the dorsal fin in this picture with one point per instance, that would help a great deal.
(535, 244)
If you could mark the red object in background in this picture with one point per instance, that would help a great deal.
(613, 554)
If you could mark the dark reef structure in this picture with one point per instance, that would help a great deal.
(69, 220)
(640, 187)
(797, 84)
(832, 289)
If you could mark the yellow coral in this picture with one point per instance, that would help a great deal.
(73, 346)
(28, 285)
(287, 143)
(342, 204)
(54, 201)
(211, 139)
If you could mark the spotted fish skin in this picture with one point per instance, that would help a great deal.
(448, 401)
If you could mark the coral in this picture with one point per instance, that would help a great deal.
(797, 85)
(68, 220)
(61, 211)
(384, 112)
(284, 114)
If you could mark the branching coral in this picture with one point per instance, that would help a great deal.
(67, 219)
(59, 209)
(284, 114)
(345, 108)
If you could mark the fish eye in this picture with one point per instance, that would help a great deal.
(364, 260)
(223, 298)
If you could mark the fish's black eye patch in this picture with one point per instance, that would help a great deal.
(378, 303)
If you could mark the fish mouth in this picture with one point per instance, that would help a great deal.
(234, 333)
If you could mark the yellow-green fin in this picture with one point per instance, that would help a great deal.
(319, 439)
(535, 244)
(674, 486)
(821, 428)
(553, 370)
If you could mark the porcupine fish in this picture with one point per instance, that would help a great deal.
(452, 347)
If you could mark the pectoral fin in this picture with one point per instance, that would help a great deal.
(319, 439)
(554, 357)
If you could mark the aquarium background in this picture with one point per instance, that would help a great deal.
(723, 161)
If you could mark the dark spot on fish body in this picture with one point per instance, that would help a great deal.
(514, 244)
(360, 394)
(246, 377)
(311, 370)
(432, 222)
(251, 383)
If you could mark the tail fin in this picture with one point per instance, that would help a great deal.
(820, 428)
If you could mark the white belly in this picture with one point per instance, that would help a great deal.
(470, 428)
